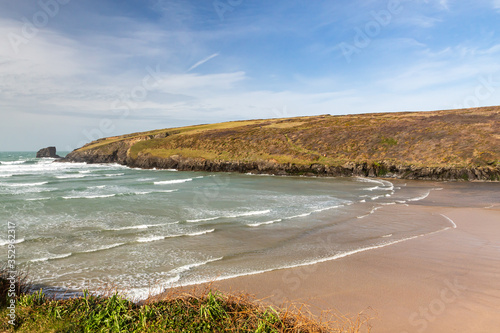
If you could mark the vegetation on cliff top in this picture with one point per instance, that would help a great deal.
(453, 138)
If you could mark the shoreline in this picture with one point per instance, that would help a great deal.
(441, 282)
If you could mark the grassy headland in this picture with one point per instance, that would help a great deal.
(454, 144)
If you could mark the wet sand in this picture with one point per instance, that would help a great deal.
(448, 281)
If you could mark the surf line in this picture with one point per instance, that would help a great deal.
(451, 221)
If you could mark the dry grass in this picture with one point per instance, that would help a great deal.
(454, 138)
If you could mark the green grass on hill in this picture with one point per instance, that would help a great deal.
(454, 138)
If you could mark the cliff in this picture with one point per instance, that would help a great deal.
(453, 144)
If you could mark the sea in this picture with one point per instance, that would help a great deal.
(106, 226)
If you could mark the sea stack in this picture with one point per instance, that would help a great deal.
(47, 152)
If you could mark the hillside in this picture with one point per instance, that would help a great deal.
(453, 144)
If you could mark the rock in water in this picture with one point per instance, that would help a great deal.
(47, 152)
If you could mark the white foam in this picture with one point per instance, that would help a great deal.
(142, 226)
(371, 188)
(7, 242)
(90, 196)
(387, 236)
(259, 212)
(185, 268)
(420, 197)
(366, 180)
(203, 220)
(263, 223)
(13, 162)
(328, 208)
(37, 199)
(157, 238)
(136, 294)
(24, 184)
(113, 174)
(199, 233)
(102, 248)
(300, 215)
(70, 176)
(451, 221)
(61, 256)
(150, 239)
(174, 181)
(6, 176)
(334, 257)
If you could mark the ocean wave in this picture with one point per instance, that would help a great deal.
(263, 223)
(374, 209)
(422, 197)
(150, 239)
(113, 174)
(61, 256)
(70, 176)
(146, 192)
(174, 181)
(367, 180)
(90, 196)
(328, 208)
(312, 262)
(37, 199)
(450, 220)
(157, 238)
(297, 216)
(206, 219)
(142, 226)
(13, 162)
(6, 176)
(105, 247)
(7, 242)
(24, 184)
(185, 268)
(258, 212)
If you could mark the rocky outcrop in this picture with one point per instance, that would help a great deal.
(47, 152)
(118, 153)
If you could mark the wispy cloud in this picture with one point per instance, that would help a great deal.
(260, 59)
(201, 62)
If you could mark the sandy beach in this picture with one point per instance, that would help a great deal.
(448, 281)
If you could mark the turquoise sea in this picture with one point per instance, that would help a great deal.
(141, 231)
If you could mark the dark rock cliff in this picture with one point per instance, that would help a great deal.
(118, 153)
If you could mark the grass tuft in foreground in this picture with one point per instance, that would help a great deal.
(208, 311)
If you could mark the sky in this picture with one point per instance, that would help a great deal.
(72, 71)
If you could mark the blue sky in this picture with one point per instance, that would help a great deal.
(72, 70)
